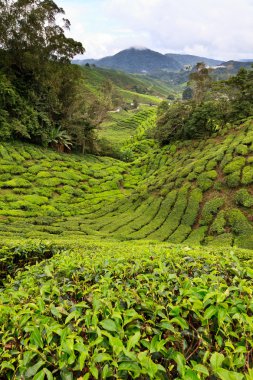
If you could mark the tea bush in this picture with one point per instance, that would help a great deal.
(110, 310)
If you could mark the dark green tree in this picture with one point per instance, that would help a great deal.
(200, 82)
(240, 93)
(40, 88)
(31, 33)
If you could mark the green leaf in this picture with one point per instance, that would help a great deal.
(210, 312)
(107, 372)
(73, 314)
(40, 375)
(102, 357)
(36, 338)
(129, 366)
(66, 375)
(181, 322)
(216, 361)
(48, 373)
(201, 368)
(34, 369)
(55, 312)
(133, 340)
(109, 325)
(224, 374)
(190, 375)
(222, 313)
(47, 271)
(181, 362)
(249, 375)
(81, 360)
(94, 371)
(7, 365)
(249, 272)
(41, 304)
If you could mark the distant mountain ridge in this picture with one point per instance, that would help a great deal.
(188, 59)
(135, 60)
(142, 60)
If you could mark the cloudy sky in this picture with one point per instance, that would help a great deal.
(220, 29)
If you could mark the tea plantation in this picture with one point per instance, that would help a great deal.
(135, 269)
(193, 192)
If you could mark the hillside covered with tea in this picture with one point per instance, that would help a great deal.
(192, 192)
(126, 209)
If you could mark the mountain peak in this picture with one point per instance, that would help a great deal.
(139, 48)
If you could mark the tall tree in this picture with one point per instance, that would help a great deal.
(32, 27)
(35, 57)
(200, 82)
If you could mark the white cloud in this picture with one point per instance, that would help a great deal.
(214, 28)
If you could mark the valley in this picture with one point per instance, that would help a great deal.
(126, 196)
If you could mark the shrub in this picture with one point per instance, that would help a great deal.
(218, 226)
(225, 239)
(44, 174)
(211, 164)
(247, 175)
(205, 180)
(48, 182)
(242, 149)
(36, 199)
(210, 209)
(243, 198)
(226, 159)
(49, 210)
(17, 182)
(180, 234)
(233, 179)
(193, 207)
(235, 165)
(197, 236)
(238, 222)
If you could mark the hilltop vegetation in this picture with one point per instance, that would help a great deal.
(208, 106)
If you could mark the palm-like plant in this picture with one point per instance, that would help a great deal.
(59, 139)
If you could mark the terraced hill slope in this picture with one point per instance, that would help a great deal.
(193, 192)
(127, 85)
(118, 132)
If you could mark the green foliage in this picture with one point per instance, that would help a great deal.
(84, 196)
(235, 165)
(233, 179)
(210, 209)
(247, 175)
(110, 309)
(205, 180)
(192, 209)
(219, 223)
(238, 222)
(15, 257)
(17, 182)
(209, 109)
(242, 149)
(42, 96)
(243, 198)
